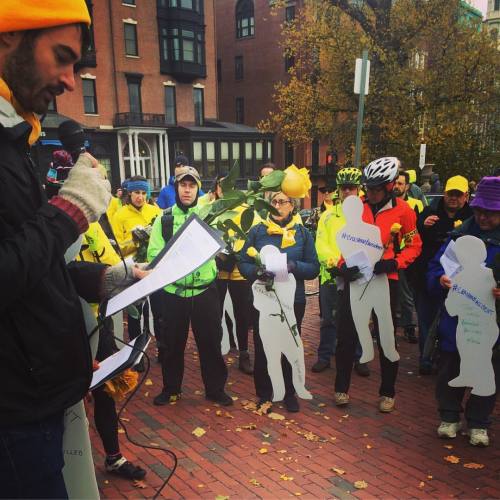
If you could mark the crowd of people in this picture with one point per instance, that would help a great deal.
(45, 355)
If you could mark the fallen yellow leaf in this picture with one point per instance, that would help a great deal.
(148, 382)
(369, 446)
(140, 484)
(365, 435)
(448, 446)
(146, 394)
(338, 471)
(429, 477)
(284, 477)
(452, 459)
(249, 427)
(360, 485)
(254, 482)
(421, 484)
(234, 398)
(298, 494)
(200, 485)
(311, 437)
(199, 431)
(321, 405)
(266, 443)
(275, 416)
(222, 497)
(472, 465)
(262, 451)
(281, 451)
(121, 431)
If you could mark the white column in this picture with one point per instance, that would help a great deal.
(161, 153)
(131, 153)
(137, 154)
(167, 157)
(120, 157)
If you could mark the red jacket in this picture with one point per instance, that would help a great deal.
(396, 211)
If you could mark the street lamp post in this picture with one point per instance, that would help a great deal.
(361, 80)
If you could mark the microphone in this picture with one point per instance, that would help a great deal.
(72, 137)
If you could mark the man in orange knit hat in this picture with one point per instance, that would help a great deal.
(45, 360)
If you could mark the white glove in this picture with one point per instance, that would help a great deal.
(86, 188)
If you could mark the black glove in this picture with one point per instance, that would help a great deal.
(264, 275)
(291, 266)
(141, 234)
(386, 266)
(347, 273)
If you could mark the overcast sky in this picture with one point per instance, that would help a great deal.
(481, 4)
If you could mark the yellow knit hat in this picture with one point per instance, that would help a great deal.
(21, 15)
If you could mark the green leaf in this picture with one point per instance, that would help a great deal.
(254, 186)
(204, 211)
(273, 180)
(235, 194)
(230, 224)
(133, 312)
(227, 184)
(247, 219)
(261, 204)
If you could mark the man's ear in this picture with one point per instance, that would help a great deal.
(11, 39)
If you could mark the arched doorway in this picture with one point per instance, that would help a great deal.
(142, 161)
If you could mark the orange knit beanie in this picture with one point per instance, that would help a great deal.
(20, 15)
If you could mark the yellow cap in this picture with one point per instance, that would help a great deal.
(412, 176)
(457, 183)
(21, 15)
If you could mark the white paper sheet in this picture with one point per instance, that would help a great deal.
(361, 260)
(113, 362)
(276, 263)
(449, 261)
(192, 248)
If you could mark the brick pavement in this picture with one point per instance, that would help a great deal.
(318, 453)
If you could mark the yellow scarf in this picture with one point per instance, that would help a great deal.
(31, 118)
(288, 239)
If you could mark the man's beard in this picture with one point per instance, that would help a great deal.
(398, 193)
(23, 79)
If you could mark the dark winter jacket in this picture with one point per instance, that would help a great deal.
(447, 327)
(302, 254)
(433, 238)
(45, 361)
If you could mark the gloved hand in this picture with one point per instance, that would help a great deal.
(118, 277)
(86, 188)
(291, 266)
(141, 234)
(386, 266)
(347, 273)
(264, 275)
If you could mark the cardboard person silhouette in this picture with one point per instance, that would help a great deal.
(470, 299)
(278, 331)
(228, 312)
(361, 245)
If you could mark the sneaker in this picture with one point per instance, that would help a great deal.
(265, 406)
(221, 398)
(291, 403)
(164, 398)
(448, 430)
(479, 437)
(245, 366)
(341, 398)
(410, 335)
(362, 369)
(386, 404)
(122, 467)
(320, 366)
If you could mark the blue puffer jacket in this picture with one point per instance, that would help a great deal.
(303, 254)
(447, 327)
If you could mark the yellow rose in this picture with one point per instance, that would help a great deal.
(457, 223)
(238, 245)
(395, 228)
(296, 183)
(252, 253)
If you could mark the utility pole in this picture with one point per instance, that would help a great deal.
(361, 81)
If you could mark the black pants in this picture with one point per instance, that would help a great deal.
(262, 381)
(203, 311)
(105, 418)
(239, 290)
(347, 339)
(478, 409)
(157, 302)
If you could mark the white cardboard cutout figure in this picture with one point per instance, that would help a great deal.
(471, 299)
(355, 237)
(277, 339)
(229, 310)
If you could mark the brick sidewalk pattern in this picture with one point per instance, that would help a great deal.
(320, 452)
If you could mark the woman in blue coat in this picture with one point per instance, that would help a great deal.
(485, 225)
(285, 232)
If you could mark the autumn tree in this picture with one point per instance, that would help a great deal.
(434, 78)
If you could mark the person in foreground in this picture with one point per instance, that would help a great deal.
(45, 359)
(485, 225)
(293, 239)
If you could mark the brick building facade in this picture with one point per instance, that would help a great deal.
(147, 91)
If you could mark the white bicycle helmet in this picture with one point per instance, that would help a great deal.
(381, 171)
